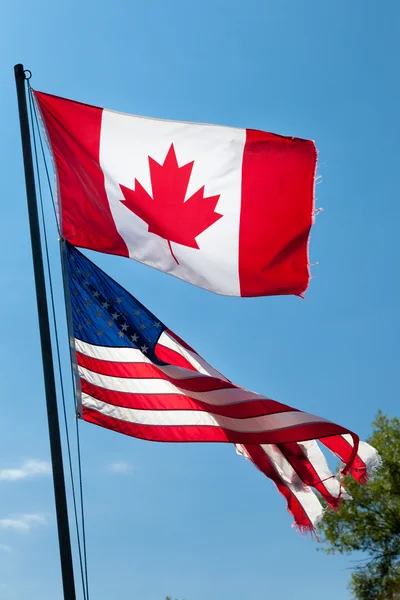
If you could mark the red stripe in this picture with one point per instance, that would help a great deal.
(207, 433)
(172, 357)
(86, 216)
(339, 446)
(276, 214)
(151, 401)
(159, 433)
(295, 455)
(196, 355)
(262, 462)
(203, 383)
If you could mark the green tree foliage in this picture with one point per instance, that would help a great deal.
(370, 522)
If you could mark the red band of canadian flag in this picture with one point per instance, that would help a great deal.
(226, 209)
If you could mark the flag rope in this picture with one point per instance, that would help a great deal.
(81, 544)
(33, 110)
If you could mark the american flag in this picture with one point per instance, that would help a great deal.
(138, 378)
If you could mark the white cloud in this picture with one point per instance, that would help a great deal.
(30, 468)
(120, 467)
(5, 548)
(22, 522)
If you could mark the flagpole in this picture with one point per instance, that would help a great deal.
(64, 538)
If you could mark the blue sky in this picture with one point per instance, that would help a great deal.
(196, 521)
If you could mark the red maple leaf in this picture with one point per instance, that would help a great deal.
(166, 213)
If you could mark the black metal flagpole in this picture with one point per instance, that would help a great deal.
(64, 538)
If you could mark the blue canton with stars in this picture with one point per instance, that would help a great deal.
(104, 313)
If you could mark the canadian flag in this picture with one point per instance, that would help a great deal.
(226, 209)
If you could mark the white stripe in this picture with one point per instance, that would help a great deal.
(241, 450)
(127, 142)
(318, 461)
(111, 354)
(192, 357)
(303, 493)
(181, 372)
(161, 386)
(189, 418)
(367, 453)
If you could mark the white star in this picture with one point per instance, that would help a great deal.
(85, 283)
(99, 332)
(110, 323)
(87, 302)
(157, 325)
(96, 294)
(99, 313)
(124, 327)
(88, 322)
(80, 326)
(119, 300)
(115, 316)
(121, 334)
(143, 327)
(134, 337)
(144, 348)
(105, 305)
(137, 313)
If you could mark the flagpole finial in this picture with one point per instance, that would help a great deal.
(20, 71)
